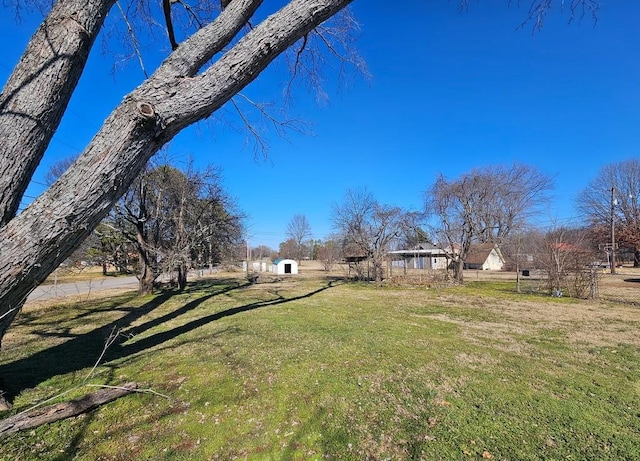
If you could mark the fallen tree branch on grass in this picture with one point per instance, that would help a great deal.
(43, 415)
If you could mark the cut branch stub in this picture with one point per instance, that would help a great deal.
(146, 109)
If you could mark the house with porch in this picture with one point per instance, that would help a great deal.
(422, 256)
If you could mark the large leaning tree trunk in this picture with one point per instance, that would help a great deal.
(36, 95)
(179, 93)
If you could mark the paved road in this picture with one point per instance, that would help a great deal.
(60, 290)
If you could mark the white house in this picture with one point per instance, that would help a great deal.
(486, 257)
(284, 266)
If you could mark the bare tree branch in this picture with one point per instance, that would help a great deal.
(539, 9)
(39, 416)
(134, 41)
(166, 8)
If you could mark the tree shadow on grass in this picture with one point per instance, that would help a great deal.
(82, 351)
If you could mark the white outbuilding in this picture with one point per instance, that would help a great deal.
(285, 267)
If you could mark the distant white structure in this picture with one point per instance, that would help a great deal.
(259, 266)
(284, 267)
(256, 265)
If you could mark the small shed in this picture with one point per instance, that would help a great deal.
(285, 267)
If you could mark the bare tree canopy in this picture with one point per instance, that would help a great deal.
(567, 257)
(484, 205)
(613, 195)
(367, 227)
(210, 66)
(177, 219)
(329, 253)
(539, 9)
(298, 230)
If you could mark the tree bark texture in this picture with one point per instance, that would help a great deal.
(147, 275)
(35, 242)
(182, 276)
(37, 93)
(44, 415)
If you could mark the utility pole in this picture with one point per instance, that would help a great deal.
(613, 233)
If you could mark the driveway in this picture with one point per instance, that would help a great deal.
(59, 290)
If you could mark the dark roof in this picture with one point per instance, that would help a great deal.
(279, 260)
(354, 259)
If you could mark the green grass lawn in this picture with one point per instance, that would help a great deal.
(317, 369)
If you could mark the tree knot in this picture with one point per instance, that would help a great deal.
(146, 110)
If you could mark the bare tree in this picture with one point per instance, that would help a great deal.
(611, 200)
(451, 205)
(187, 87)
(484, 205)
(218, 227)
(177, 219)
(298, 230)
(288, 249)
(565, 254)
(135, 216)
(329, 253)
(263, 251)
(518, 250)
(368, 227)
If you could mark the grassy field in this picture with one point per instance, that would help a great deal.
(312, 367)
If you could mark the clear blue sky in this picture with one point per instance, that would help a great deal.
(449, 91)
